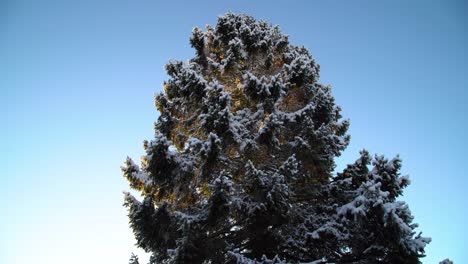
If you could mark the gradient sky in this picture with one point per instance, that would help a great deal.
(77, 80)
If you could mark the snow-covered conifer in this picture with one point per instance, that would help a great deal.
(240, 169)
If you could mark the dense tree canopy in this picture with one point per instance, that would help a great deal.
(240, 169)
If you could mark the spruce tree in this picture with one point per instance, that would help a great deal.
(240, 169)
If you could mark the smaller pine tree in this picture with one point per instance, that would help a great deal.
(133, 259)
(446, 261)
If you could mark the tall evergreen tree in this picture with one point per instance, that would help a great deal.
(240, 167)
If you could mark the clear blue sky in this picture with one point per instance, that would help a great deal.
(77, 80)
